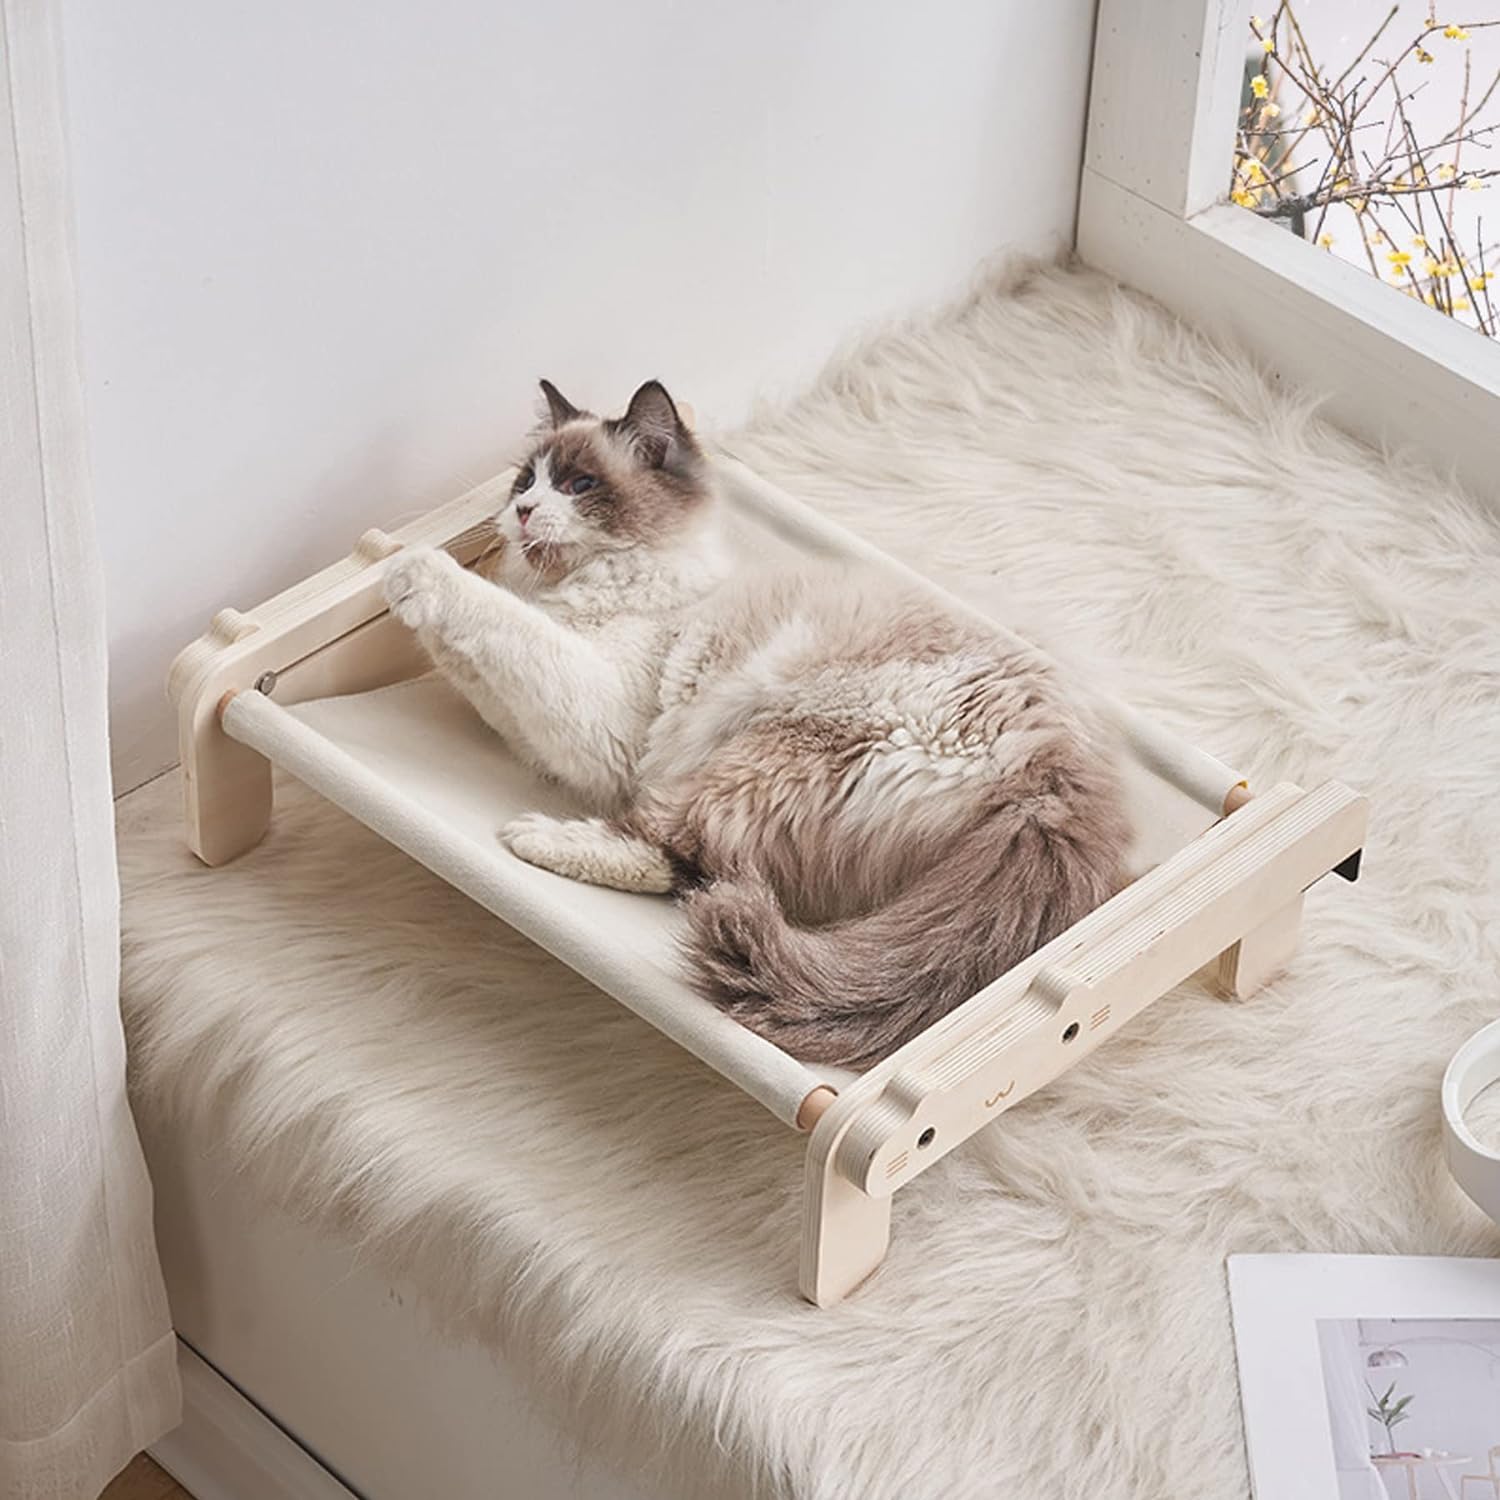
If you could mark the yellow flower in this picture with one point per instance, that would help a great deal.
(1455, 33)
(1269, 45)
(1445, 172)
(1326, 241)
(1256, 22)
(1418, 243)
(1312, 117)
(1460, 304)
(1269, 110)
(1259, 87)
(1432, 267)
(1479, 282)
(1244, 199)
(1423, 56)
(1399, 258)
(1475, 184)
(1254, 171)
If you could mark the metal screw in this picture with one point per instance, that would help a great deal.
(266, 683)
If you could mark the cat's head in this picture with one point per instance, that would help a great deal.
(591, 485)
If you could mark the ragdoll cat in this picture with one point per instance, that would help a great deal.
(869, 808)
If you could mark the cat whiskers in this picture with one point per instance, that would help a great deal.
(540, 552)
(530, 581)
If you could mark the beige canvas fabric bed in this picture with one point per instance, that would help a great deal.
(417, 764)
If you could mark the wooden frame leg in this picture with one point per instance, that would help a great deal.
(845, 1233)
(1262, 953)
(226, 789)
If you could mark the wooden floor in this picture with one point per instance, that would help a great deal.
(142, 1480)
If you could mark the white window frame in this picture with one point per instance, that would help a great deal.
(1162, 113)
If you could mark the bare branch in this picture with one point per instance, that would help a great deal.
(1403, 184)
(1364, 51)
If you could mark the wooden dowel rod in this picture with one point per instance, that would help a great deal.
(1236, 797)
(815, 1106)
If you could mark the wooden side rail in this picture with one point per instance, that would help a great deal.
(1244, 875)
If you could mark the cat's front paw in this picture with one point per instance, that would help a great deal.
(416, 581)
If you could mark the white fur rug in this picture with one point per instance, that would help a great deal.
(1052, 1319)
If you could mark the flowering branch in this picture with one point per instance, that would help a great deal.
(1400, 191)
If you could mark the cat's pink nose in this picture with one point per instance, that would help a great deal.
(523, 511)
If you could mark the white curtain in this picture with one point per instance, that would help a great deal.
(1343, 1362)
(87, 1358)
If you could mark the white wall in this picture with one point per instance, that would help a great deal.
(325, 249)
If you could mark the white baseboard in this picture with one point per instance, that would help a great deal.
(227, 1448)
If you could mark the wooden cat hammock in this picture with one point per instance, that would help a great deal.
(321, 681)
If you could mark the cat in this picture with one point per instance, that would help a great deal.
(868, 808)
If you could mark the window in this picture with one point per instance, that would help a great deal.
(1169, 77)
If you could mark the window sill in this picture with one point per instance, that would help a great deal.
(1393, 372)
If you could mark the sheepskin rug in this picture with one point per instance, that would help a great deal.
(1052, 1320)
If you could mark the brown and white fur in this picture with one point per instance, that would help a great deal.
(868, 807)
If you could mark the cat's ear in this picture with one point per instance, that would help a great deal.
(652, 424)
(559, 408)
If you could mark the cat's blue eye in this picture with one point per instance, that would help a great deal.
(524, 480)
(581, 484)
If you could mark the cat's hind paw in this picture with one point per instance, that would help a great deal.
(588, 849)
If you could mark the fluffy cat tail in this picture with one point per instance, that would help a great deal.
(851, 992)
